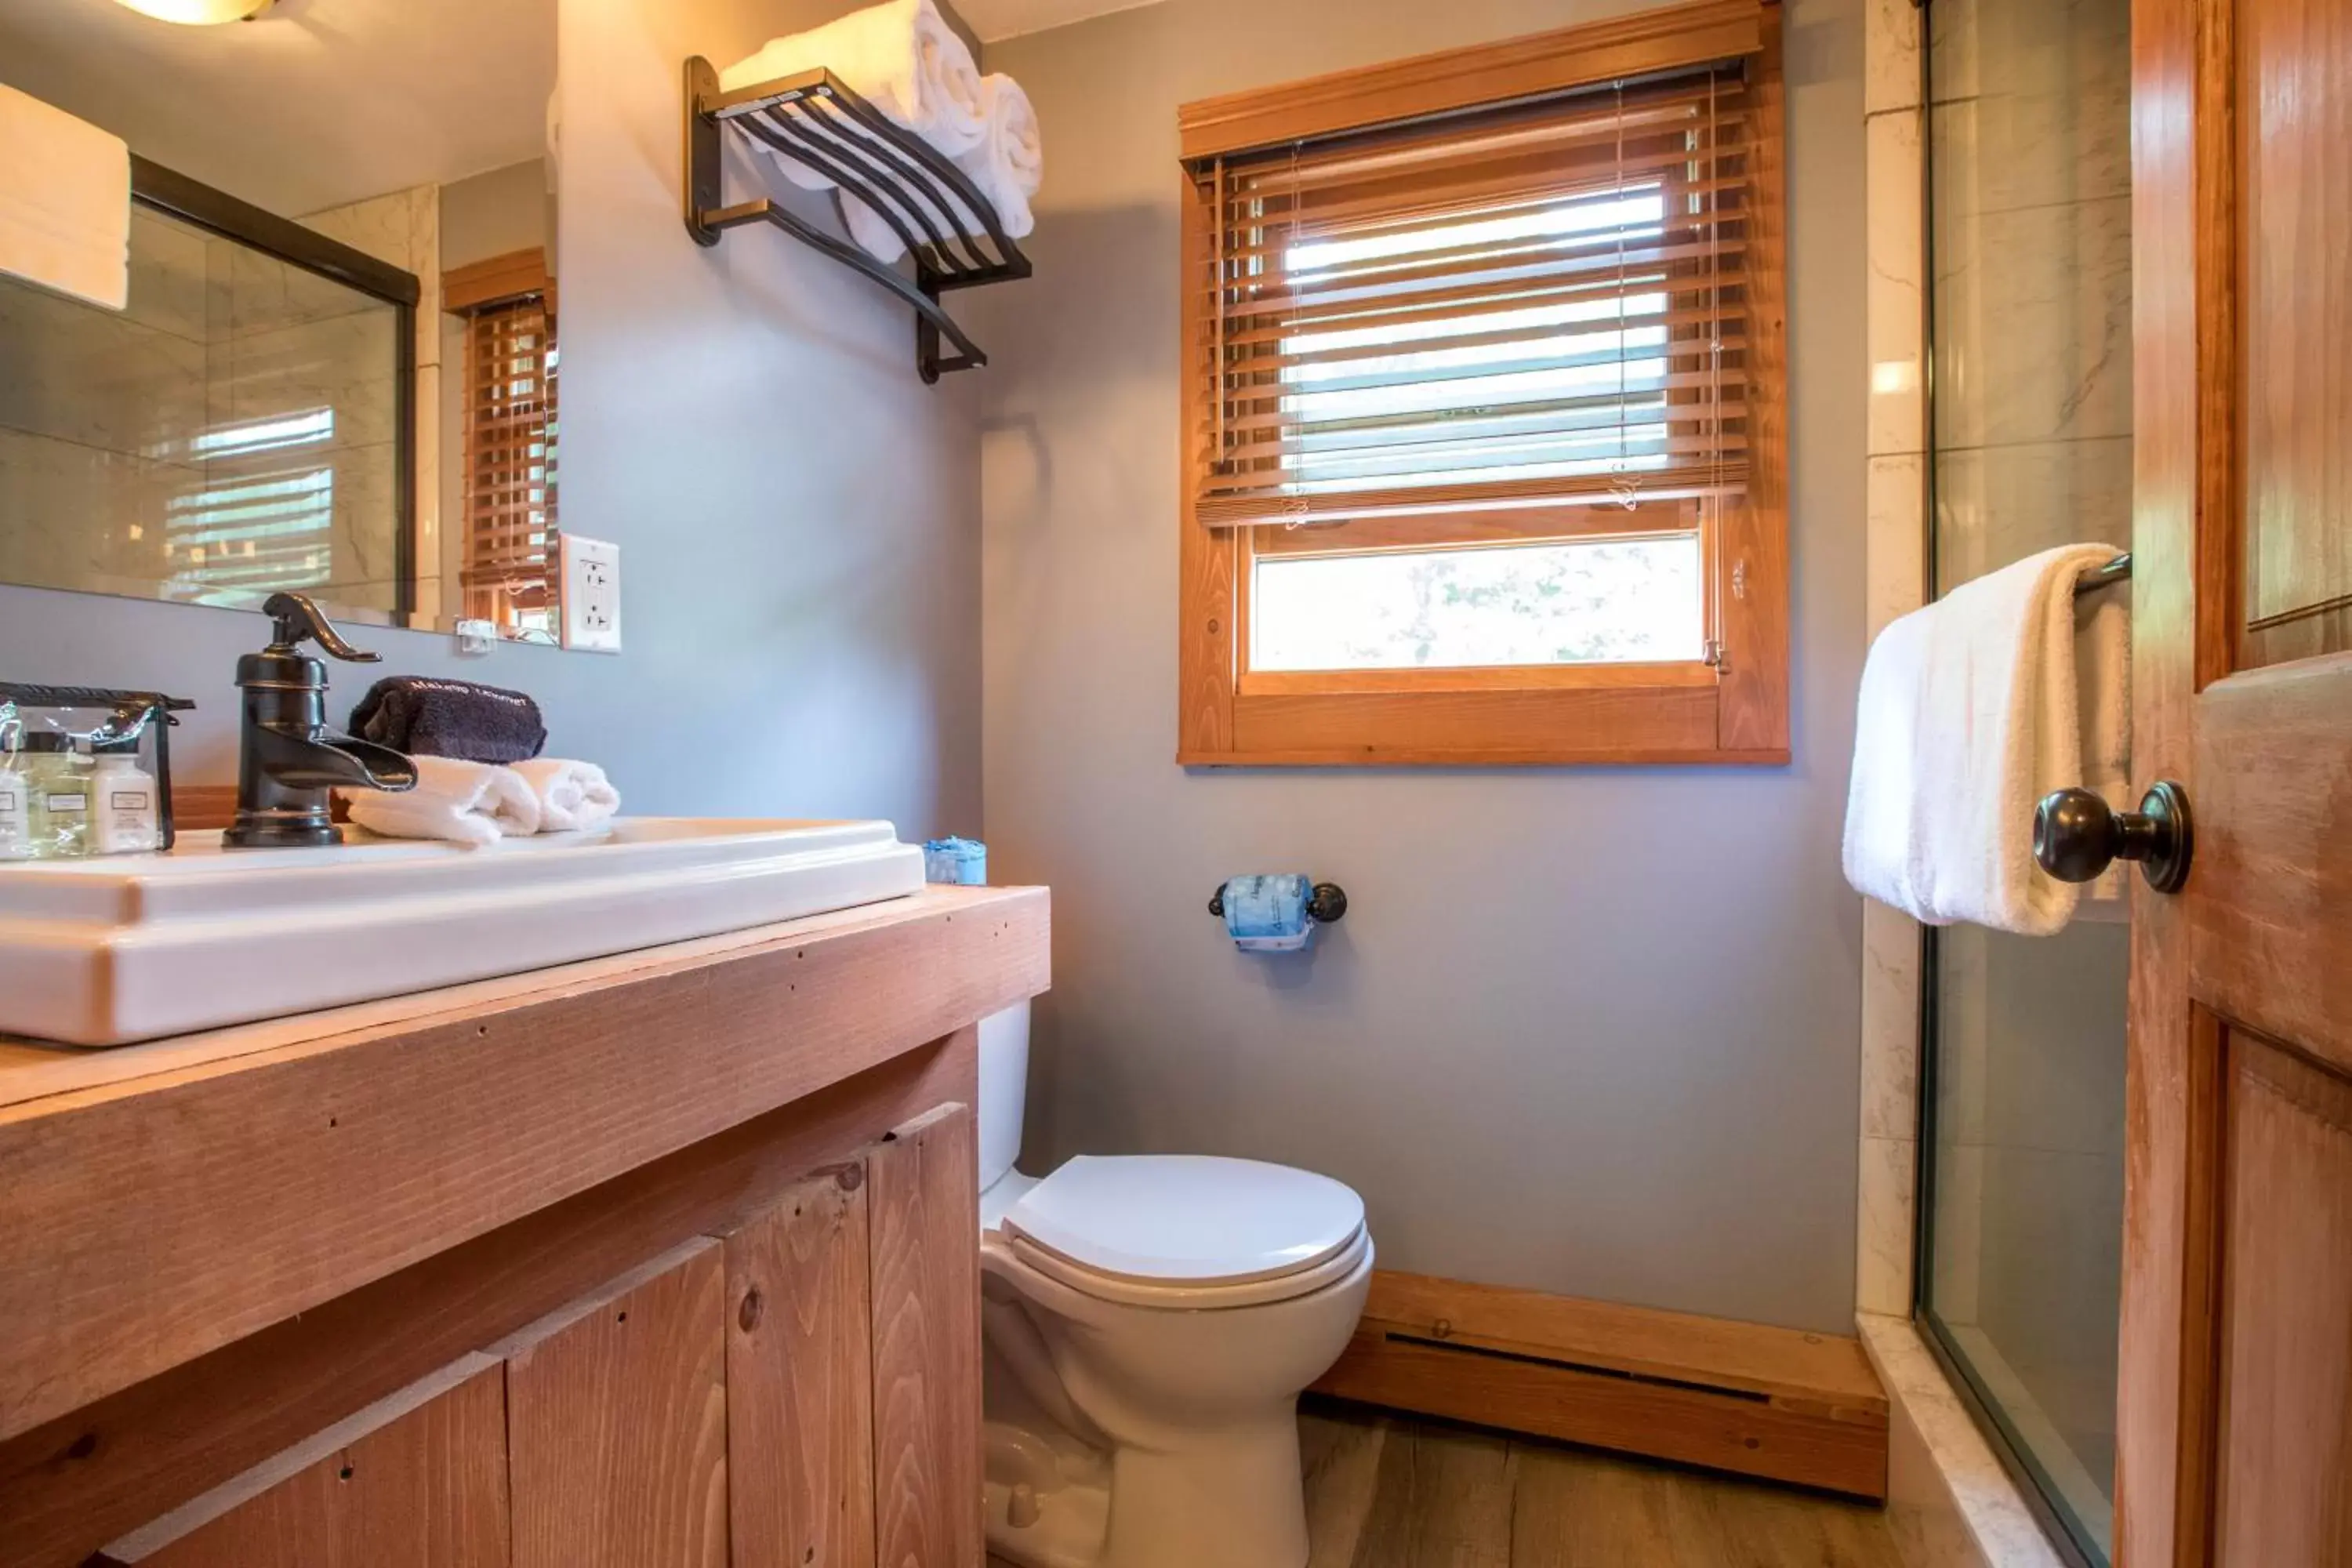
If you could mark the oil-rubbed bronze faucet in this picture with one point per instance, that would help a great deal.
(288, 763)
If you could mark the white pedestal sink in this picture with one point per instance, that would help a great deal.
(103, 951)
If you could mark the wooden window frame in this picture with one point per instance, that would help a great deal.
(1734, 710)
(471, 292)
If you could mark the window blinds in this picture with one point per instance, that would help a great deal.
(510, 377)
(1531, 307)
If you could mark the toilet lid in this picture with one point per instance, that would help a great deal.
(1190, 1217)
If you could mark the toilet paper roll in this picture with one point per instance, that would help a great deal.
(1268, 914)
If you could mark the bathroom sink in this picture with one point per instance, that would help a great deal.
(104, 951)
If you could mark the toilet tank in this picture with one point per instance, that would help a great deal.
(1004, 1090)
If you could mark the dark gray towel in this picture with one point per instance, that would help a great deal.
(425, 717)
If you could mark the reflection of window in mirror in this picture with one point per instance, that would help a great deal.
(505, 528)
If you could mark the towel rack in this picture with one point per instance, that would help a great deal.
(2118, 570)
(920, 193)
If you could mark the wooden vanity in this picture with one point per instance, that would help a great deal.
(667, 1258)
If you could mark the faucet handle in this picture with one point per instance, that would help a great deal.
(297, 617)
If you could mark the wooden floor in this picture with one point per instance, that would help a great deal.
(1386, 1491)
(1393, 1492)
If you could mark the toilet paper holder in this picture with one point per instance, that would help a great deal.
(1325, 903)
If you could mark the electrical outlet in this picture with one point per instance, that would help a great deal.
(592, 594)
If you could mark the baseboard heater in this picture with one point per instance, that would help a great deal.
(1777, 1403)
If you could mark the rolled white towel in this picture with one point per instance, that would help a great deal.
(1008, 165)
(464, 802)
(571, 795)
(900, 57)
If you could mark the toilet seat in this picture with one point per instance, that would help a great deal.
(1187, 1230)
(1115, 1291)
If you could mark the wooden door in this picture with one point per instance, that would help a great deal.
(2236, 1402)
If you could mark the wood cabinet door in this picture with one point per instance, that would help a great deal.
(616, 1423)
(800, 1380)
(424, 1489)
(924, 1210)
(2236, 1402)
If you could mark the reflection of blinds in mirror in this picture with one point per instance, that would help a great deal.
(263, 517)
(1538, 305)
(511, 571)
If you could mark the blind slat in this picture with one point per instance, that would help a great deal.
(510, 402)
(1540, 306)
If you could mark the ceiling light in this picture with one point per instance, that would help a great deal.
(200, 12)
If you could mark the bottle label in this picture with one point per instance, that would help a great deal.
(66, 802)
(127, 800)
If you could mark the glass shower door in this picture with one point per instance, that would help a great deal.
(2022, 1191)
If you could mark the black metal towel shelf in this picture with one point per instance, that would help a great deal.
(926, 201)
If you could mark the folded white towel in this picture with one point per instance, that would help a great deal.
(1968, 716)
(464, 802)
(1007, 167)
(571, 795)
(65, 202)
(900, 57)
(2103, 696)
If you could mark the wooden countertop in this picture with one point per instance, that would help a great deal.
(160, 1199)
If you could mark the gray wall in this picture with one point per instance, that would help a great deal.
(1593, 1031)
(797, 513)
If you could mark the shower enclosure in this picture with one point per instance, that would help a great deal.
(2028, 203)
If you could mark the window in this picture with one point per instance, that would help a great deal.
(1483, 427)
(509, 573)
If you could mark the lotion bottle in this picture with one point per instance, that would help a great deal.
(124, 818)
(57, 785)
(15, 829)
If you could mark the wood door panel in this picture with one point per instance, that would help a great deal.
(2234, 1440)
(2294, 113)
(425, 1491)
(616, 1417)
(800, 1391)
(2285, 1441)
(925, 1209)
(2272, 788)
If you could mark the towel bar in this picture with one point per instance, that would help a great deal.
(2120, 570)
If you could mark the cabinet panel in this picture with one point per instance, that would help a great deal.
(617, 1422)
(2285, 1494)
(799, 1415)
(924, 1209)
(425, 1489)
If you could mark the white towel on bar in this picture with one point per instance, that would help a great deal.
(1970, 714)
(464, 802)
(65, 202)
(571, 795)
(1007, 167)
(900, 57)
(2103, 699)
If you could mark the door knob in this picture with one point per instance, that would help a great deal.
(2076, 836)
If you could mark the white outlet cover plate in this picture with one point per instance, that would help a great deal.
(592, 594)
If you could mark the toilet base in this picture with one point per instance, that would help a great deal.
(1233, 1498)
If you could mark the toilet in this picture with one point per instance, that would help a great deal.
(1147, 1323)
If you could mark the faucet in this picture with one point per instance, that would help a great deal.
(289, 762)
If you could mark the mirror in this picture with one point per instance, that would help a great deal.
(337, 371)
